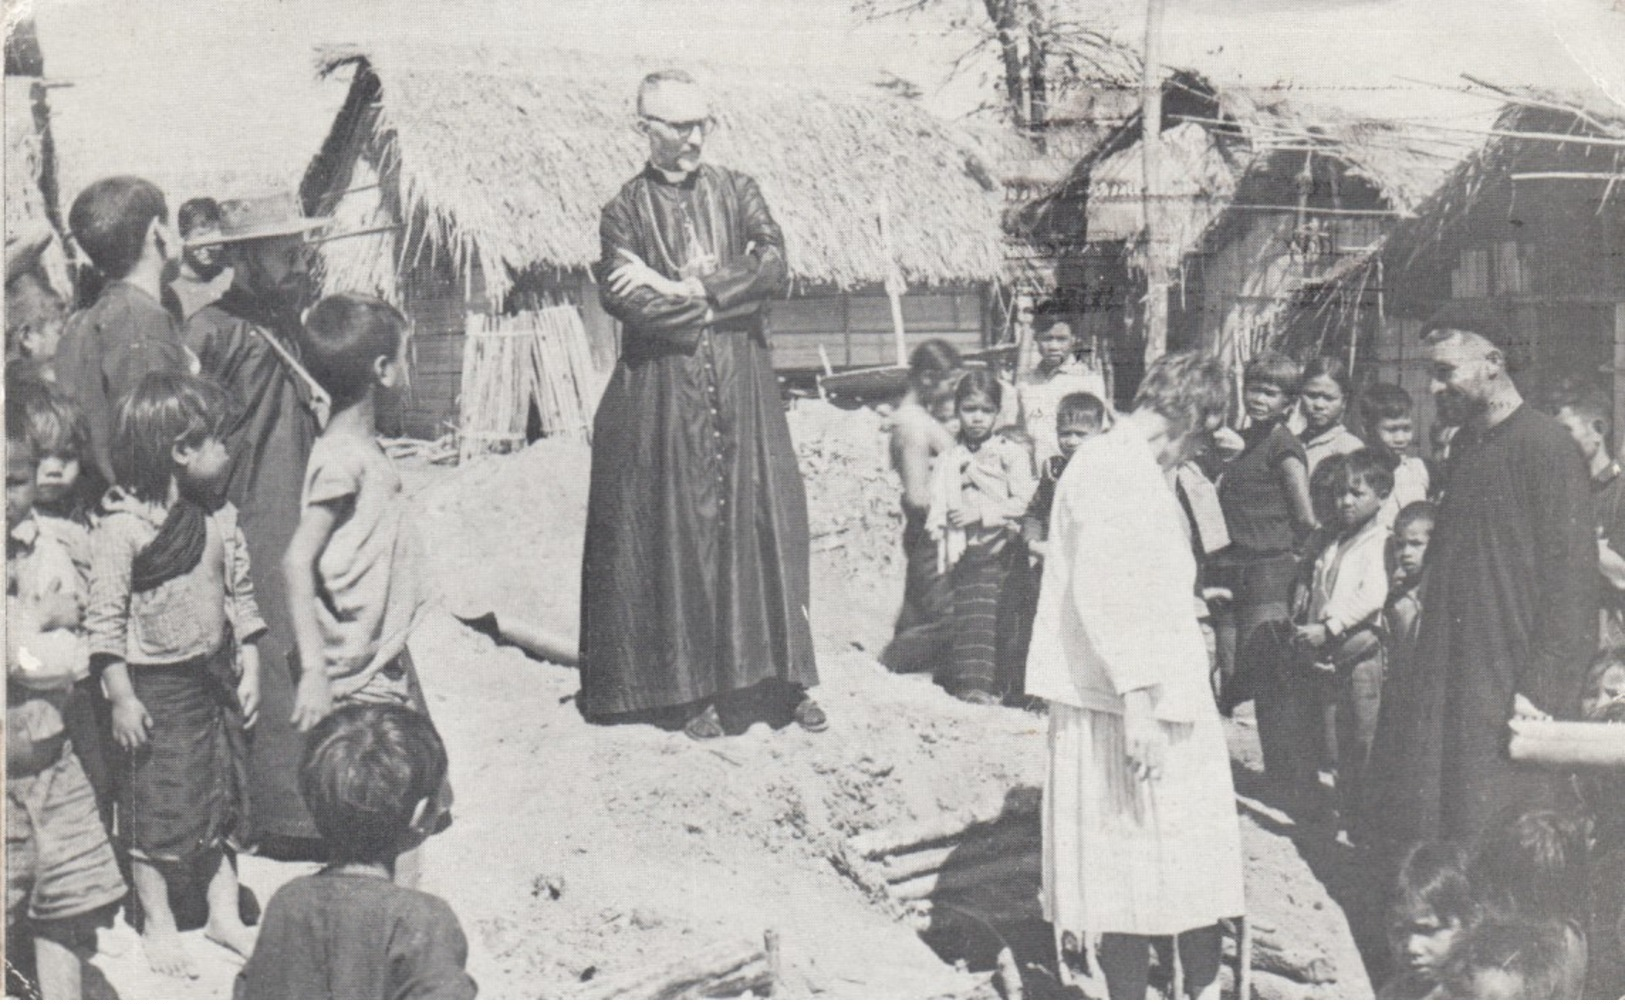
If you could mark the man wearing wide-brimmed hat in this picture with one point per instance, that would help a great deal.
(249, 341)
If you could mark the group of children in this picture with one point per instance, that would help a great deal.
(1312, 543)
(978, 460)
(1535, 910)
(133, 681)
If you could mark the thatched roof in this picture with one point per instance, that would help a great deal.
(506, 166)
(1550, 114)
(1218, 148)
(28, 178)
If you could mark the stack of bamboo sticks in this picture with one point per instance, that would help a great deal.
(537, 358)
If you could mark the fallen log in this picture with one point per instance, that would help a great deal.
(1567, 744)
(952, 827)
(723, 971)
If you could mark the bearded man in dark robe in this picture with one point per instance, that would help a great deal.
(248, 340)
(1509, 608)
(695, 577)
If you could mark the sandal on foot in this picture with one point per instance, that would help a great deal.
(705, 725)
(810, 716)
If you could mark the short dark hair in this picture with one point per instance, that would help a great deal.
(1533, 864)
(1274, 368)
(932, 360)
(365, 769)
(1433, 877)
(52, 420)
(196, 214)
(980, 381)
(163, 411)
(110, 219)
(1473, 319)
(1384, 402)
(1421, 511)
(1045, 322)
(1368, 466)
(1081, 406)
(658, 77)
(1535, 951)
(344, 334)
(1187, 388)
(1331, 368)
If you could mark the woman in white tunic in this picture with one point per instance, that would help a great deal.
(1140, 830)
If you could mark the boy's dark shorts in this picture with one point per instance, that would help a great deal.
(59, 862)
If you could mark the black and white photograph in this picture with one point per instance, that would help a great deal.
(844, 499)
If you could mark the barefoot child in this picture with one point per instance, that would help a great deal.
(980, 490)
(920, 638)
(172, 624)
(353, 566)
(370, 777)
(1340, 637)
(61, 877)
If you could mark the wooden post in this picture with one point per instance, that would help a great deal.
(1156, 272)
(895, 286)
(1619, 375)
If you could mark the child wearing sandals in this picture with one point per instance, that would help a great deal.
(353, 566)
(172, 625)
(370, 776)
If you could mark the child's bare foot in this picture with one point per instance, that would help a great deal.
(230, 932)
(166, 954)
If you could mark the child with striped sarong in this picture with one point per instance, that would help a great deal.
(980, 490)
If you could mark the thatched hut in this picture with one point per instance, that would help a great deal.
(482, 182)
(1531, 226)
(1263, 203)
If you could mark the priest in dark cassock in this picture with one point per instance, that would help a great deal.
(248, 341)
(695, 584)
(1509, 608)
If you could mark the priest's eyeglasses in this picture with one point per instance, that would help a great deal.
(706, 126)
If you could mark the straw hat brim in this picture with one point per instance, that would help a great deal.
(287, 228)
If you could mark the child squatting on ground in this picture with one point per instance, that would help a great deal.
(371, 776)
(62, 879)
(980, 490)
(353, 566)
(172, 625)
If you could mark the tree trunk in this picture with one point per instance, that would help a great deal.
(1003, 15)
(1037, 75)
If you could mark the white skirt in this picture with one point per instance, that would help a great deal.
(1127, 856)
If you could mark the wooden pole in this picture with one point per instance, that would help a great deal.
(1617, 379)
(1156, 272)
(895, 285)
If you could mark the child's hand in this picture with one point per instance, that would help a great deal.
(312, 700)
(1312, 635)
(958, 518)
(130, 724)
(248, 686)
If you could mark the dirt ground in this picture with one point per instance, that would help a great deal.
(580, 854)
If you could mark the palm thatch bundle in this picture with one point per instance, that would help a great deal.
(502, 166)
(28, 168)
(534, 359)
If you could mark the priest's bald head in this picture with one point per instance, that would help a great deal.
(675, 114)
(1468, 364)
